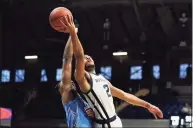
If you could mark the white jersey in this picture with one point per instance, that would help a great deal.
(100, 88)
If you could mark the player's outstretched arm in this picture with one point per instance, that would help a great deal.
(135, 101)
(65, 84)
(78, 53)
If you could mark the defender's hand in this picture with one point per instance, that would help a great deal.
(90, 113)
(68, 24)
(155, 111)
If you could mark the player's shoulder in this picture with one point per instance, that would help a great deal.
(94, 75)
(102, 77)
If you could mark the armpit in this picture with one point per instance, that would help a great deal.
(87, 76)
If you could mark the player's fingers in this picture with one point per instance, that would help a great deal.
(63, 29)
(69, 19)
(63, 23)
(91, 115)
(89, 112)
(160, 114)
(155, 116)
(64, 18)
(66, 21)
(92, 112)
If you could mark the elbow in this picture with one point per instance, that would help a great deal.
(79, 54)
(121, 95)
(118, 93)
(79, 58)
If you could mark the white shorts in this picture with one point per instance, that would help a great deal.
(115, 124)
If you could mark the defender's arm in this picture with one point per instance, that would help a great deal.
(65, 84)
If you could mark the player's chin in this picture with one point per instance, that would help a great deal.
(90, 65)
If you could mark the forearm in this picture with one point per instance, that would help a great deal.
(77, 47)
(135, 100)
(66, 66)
(68, 52)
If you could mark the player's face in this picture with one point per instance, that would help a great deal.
(88, 61)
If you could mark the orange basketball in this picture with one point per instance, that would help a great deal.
(56, 15)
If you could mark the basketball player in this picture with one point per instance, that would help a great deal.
(73, 104)
(97, 90)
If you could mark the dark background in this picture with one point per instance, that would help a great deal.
(150, 31)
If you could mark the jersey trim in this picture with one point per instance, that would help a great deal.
(95, 107)
(105, 112)
(102, 121)
(105, 121)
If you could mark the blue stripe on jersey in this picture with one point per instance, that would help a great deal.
(75, 113)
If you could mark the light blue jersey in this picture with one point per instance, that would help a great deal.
(75, 113)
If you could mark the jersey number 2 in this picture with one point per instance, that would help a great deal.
(106, 87)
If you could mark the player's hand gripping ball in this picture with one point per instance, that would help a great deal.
(57, 17)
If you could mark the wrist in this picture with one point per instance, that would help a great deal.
(73, 32)
(147, 105)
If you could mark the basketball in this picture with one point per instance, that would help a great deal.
(56, 15)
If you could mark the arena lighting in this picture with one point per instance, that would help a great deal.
(119, 53)
(31, 57)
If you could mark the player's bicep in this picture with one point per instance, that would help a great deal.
(83, 83)
(80, 69)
